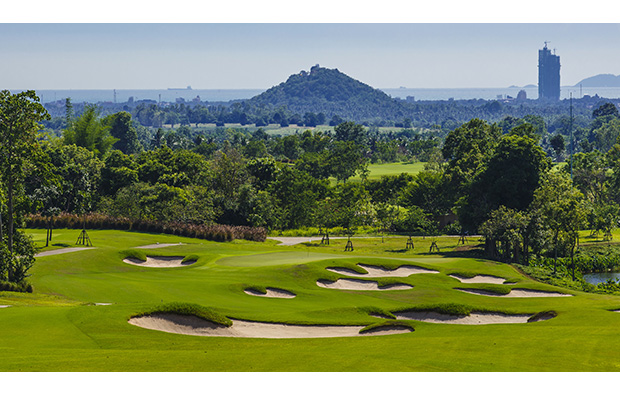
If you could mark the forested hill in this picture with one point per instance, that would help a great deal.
(330, 92)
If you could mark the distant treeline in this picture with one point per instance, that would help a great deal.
(444, 114)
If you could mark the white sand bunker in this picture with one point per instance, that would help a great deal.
(515, 293)
(192, 325)
(103, 304)
(472, 319)
(4, 306)
(360, 285)
(159, 261)
(378, 271)
(480, 279)
(271, 293)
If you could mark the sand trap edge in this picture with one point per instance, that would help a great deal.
(271, 293)
(160, 261)
(479, 279)
(194, 326)
(475, 317)
(350, 284)
(514, 293)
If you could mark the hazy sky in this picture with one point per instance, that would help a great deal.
(232, 56)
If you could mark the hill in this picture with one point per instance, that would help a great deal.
(601, 80)
(328, 91)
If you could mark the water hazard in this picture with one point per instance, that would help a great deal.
(597, 278)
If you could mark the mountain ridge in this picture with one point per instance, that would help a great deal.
(601, 80)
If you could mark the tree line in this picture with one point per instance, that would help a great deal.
(498, 178)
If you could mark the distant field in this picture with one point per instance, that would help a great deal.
(275, 129)
(390, 169)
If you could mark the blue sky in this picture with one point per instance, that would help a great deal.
(260, 55)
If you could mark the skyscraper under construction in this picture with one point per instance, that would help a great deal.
(548, 75)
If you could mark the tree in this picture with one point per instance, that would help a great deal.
(79, 173)
(346, 158)
(122, 129)
(605, 219)
(590, 175)
(504, 234)
(558, 145)
(606, 109)
(509, 179)
(607, 134)
(20, 115)
(467, 149)
(119, 171)
(428, 191)
(350, 131)
(561, 206)
(90, 132)
(297, 194)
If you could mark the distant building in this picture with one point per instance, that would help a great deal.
(548, 75)
(522, 95)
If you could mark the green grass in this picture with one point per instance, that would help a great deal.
(388, 169)
(393, 169)
(60, 328)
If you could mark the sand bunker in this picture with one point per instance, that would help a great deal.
(157, 245)
(191, 325)
(377, 271)
(480, 279)
(4, 306)
(271, 293)
(159, 261)
(103, 304)
(472, 319)
(360, 285)
(515, 293)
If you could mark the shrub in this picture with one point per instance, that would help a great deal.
(16, 287)
(213, 232)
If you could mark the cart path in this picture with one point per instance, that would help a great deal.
(62, 251)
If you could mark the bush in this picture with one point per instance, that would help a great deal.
(16, 287)
(14, 267)
(214, 232)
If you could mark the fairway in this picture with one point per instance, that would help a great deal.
(445, 309)
(392, 169)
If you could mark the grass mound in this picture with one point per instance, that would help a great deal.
(391, 324)
(543, 316)
(443, 308)
(188, 309)
(190, 258)
(133, 254)
(491, 288)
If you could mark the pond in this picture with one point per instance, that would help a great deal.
(597, 278)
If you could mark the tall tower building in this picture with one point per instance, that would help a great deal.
(548, 75)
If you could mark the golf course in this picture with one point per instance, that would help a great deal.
(155, 302)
